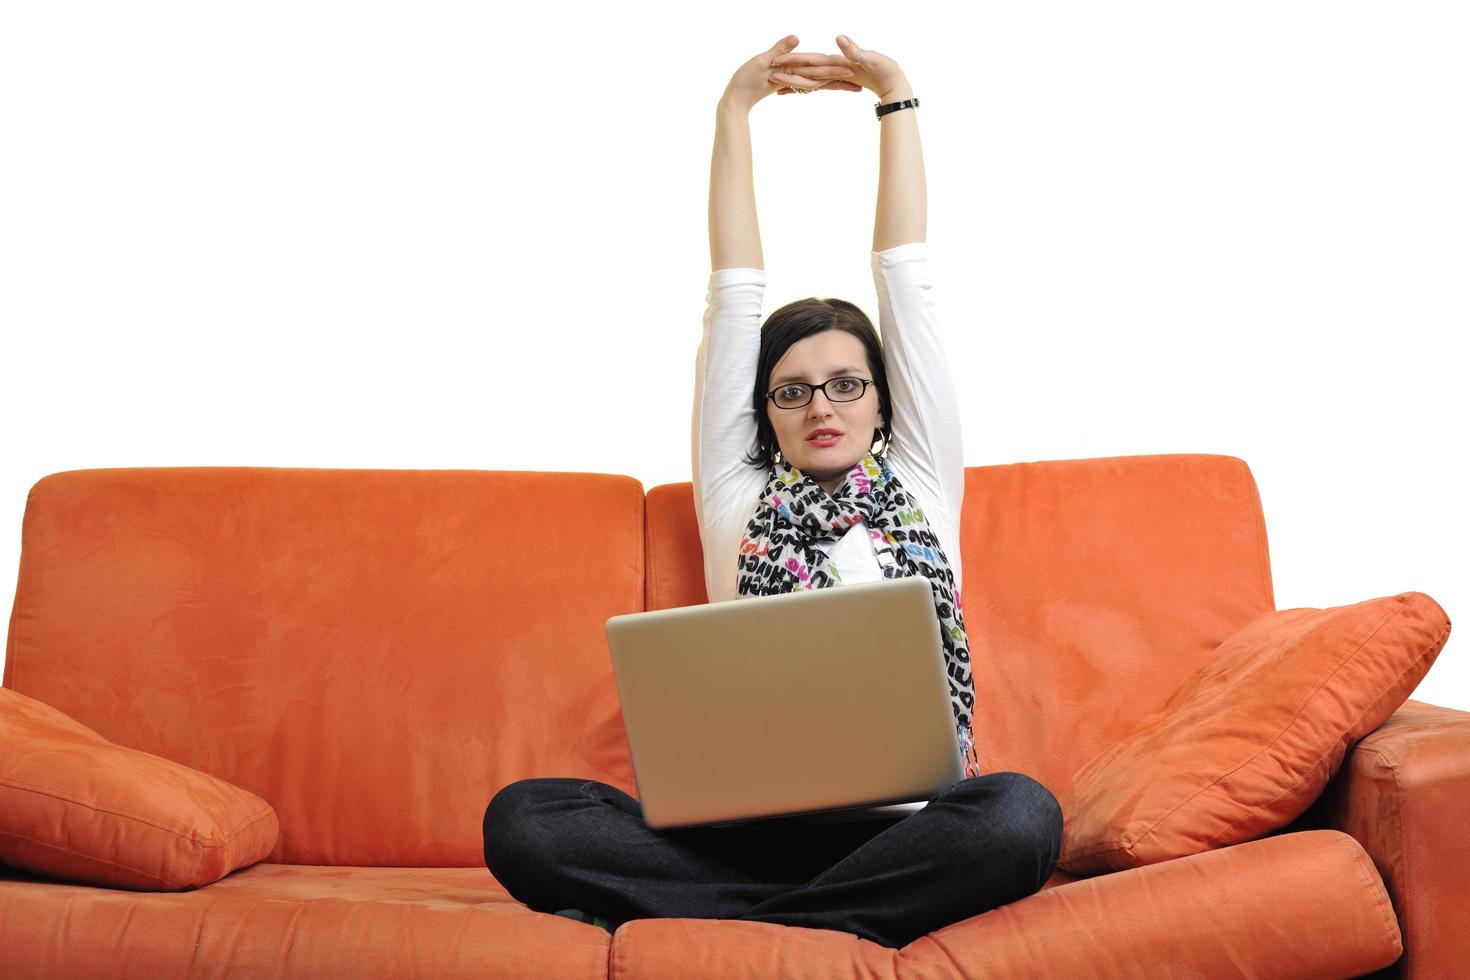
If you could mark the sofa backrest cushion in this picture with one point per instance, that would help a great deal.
(1092, 588)
(373, 652)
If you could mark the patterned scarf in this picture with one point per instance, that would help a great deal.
(794, 513)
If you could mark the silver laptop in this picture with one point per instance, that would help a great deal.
(817, 700)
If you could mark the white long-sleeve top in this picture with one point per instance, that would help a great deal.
(926, 453)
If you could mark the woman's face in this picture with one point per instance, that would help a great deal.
(829, 354)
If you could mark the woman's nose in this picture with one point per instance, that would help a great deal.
(816, 409)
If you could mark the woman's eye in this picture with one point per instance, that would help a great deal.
(845, 384)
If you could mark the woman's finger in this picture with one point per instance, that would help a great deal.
(807, 58)
(849, 48)
(792, 81)
(819, 71)
(829, 87)
(795, 81)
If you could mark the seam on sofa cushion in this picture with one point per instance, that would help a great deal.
(89, 857)
(206, 841)
(204, 851)
(1427, 652)
(1119, 844)
(1263, 553)
(1371, 878)
(1401, 606)
(27, 521)
(617, 955)
(229, 839)
(12, 642)
(1400, 800)
(650, 576)
(203, 846)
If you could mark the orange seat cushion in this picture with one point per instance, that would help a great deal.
(75, 806)
(1246, 744)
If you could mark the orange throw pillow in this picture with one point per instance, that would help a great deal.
(1246, 744)
(75, 806)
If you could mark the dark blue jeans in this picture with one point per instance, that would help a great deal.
(557, 843)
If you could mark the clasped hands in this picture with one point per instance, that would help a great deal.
(783, 70)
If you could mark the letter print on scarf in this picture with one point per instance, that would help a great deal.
(776, 556)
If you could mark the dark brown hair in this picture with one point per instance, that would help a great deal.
(797, 321)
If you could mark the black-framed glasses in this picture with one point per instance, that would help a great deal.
(797, 395)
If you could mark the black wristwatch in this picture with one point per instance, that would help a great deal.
(882, 110)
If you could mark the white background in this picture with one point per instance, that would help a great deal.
(441, 236)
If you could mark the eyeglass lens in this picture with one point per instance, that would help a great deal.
(837, 390)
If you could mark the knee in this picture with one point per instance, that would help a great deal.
(510, 822)
(1025, 816)
(1035, 817)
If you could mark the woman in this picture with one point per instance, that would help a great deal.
(805, 512)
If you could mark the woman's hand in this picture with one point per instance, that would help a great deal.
(757, 78)
(870, 69)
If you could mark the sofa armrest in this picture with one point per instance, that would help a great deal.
(1404, 793)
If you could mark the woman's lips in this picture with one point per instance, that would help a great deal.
(823, 441)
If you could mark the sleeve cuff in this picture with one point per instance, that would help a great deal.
(723, 277)
(899, 253)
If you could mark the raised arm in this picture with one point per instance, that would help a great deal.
(903, 205)
(734, 235)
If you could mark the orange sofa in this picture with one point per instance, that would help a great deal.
(367, 651)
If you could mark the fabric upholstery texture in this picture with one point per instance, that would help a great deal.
(1247, 744)
(356, 646)
(75, 806)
